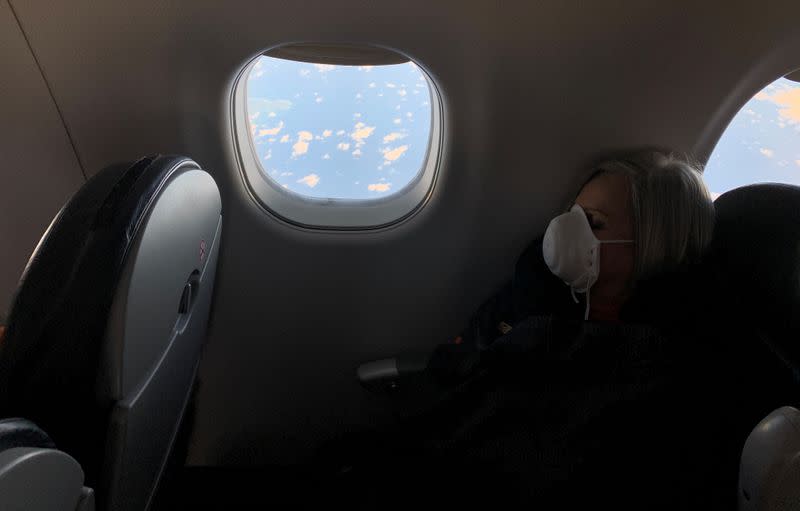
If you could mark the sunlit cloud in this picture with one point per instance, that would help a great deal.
(357, 152)
(287, 174)
(402, 92)
(379, 187)
(365, 68)
(397, 121)
(324, 68)
(372, 85)
(357, 115)
(271, 131)
(326, 156)
(255, 116)
(319, 99)
(301, 146)
(409, 114)
(305, 72)
(797, 162)
(343, 146)
(359, 96)
(767, 152)
(310, 180)
(285, 138)
(272, 140)
(327, 133)
(272, 114)
(268, 155)
(391, 155)
(391, 137)
(340, 133)
(361, 133)
(391, 85)
(789, 99)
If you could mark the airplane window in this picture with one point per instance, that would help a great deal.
(341, 136)
(762, 142)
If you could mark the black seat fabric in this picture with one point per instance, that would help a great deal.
(22, 433)
(755, 257)
(51, 359)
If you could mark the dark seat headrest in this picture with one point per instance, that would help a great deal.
(755, 260)
(22, 433)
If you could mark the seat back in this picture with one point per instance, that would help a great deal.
(755, 257)
(106, 330)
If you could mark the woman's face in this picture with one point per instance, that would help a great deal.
(606, 201)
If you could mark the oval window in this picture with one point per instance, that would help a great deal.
(761, 143)
(355, 142)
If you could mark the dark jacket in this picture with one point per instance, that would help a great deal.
(560, 413)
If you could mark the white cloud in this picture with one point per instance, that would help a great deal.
(271, 140)
(305, 72)
(358, 182)
(390, 85)
(271, 131)
(361, 133)
(359, 96)
(326, 157)
(272, 114)
(319, 99)
(357, 152)
(365, 68)
(268, 155)
(301, 146)
(255, 116)
(797, 162)
(391, 155)
(324, 68)
(397, 121)
(343, 147)
(286, 186)
(391, 137)
(357, 115)
(767, 152)
(402, 92)
(327, 133)
(372, 85)
(310, 180)
(409, 114)
(285, 138)
(286, 174)
(379, 187)
(340, 132)
(397, 107)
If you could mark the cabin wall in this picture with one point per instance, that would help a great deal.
(38, 168)
(535, 91)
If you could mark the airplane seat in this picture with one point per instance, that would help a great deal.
(755, 259)
(106, 329)
(769, 477)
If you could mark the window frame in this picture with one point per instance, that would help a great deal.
(333, 213)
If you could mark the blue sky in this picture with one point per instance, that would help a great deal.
(762, 143)
(357, 132)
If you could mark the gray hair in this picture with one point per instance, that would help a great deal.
(673, 212)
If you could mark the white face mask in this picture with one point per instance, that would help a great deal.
(571, 251)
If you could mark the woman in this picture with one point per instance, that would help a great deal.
(553, 410)
(635, 219)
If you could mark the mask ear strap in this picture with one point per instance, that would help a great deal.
(588, 295)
